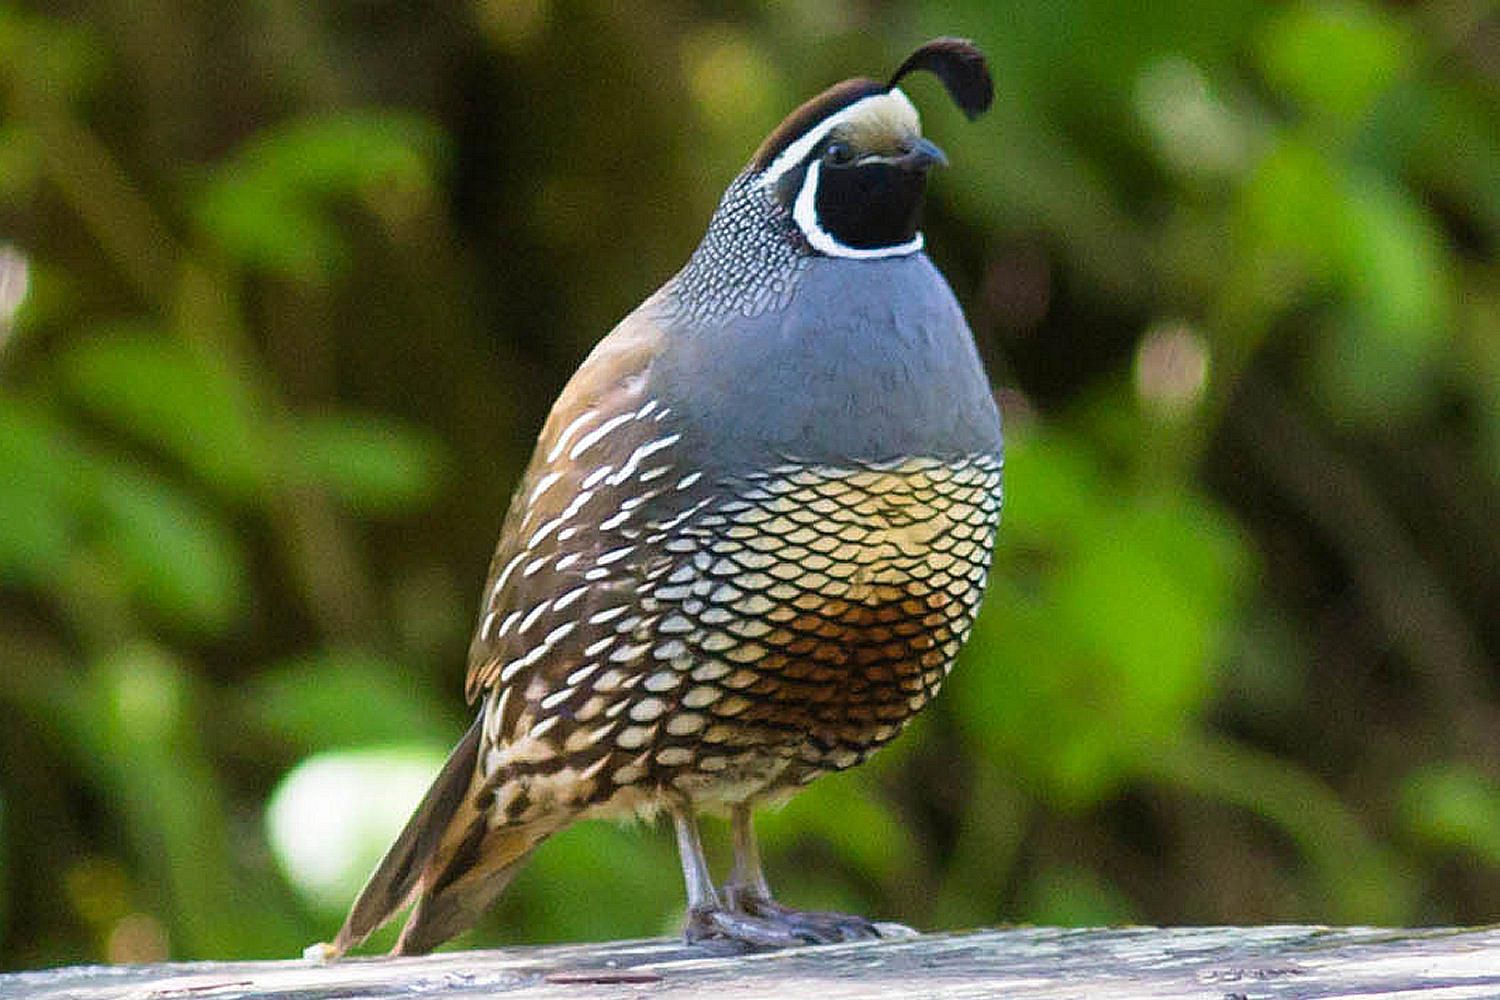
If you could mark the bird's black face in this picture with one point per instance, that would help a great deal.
(871, 202)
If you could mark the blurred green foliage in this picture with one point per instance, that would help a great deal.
(286, 290)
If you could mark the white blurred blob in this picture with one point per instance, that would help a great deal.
(15, 279)
(1195, 132)
(1171, 368)
(333, 816)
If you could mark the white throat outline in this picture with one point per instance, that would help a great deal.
(805, 214)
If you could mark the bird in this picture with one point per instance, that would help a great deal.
(751, 540)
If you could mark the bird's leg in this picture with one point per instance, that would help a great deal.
(708, 919)
(747, 880)
(747, 893)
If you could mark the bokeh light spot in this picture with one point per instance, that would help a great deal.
(1171, 369)
(137, 938)
(1195, 132)
(512, 24)
(732, 86)
(148, 692)
(15, 279)
(333, 815)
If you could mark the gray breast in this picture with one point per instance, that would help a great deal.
(869, 360)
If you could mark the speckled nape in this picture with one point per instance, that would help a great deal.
(748, 263)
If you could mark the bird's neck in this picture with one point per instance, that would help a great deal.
(749, 262)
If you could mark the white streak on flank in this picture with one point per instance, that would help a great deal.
(562, 602)
(484, 626)
(581, 674)
(544, 531)
(544, 727)
(615, 555)
(568, 431)
(687, 481)
(543, 486)
(671, 523)
(631, 503)
(615, 521)
(533, 615)
(521, 663)
(577, 504)
(805, 214)
(534, 565)
(555, 698)
(509, 623)
(645, 410)
(594, 649)
(891, 102)
(597, 573)
(540, 649)
(568, 560)
(608, 615)
(592, 437)
(640, 454)
(656, 473)
(593, 478)
(505, 573)
(662, 413)
(560, 633)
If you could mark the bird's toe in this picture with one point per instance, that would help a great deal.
(716, 925)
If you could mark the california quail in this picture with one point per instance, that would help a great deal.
(752, 538)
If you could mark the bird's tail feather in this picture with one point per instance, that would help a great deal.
(446, 857)
(465, 889)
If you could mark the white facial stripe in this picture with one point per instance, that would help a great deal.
(798, 150)
(805, 214)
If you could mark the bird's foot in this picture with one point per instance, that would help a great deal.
(716, 925)
(815, 926)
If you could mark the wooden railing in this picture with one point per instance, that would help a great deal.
(1212, 963)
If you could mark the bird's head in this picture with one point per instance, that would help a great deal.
(851, 164)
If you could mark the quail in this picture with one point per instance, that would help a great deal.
(752, 538)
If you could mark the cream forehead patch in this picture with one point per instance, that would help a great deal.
(884, 120)
(889, 113)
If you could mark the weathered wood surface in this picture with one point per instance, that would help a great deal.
(1217, 963)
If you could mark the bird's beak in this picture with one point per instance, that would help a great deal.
(923, 155)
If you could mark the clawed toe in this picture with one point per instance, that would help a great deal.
(816, 926)
(833, 927)
(715, 924)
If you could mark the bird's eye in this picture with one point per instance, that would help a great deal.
(838, 154)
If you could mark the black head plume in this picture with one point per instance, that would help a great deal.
(960, 65)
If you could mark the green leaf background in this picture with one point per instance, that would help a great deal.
(286, 291)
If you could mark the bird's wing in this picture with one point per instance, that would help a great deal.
(570, 560)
